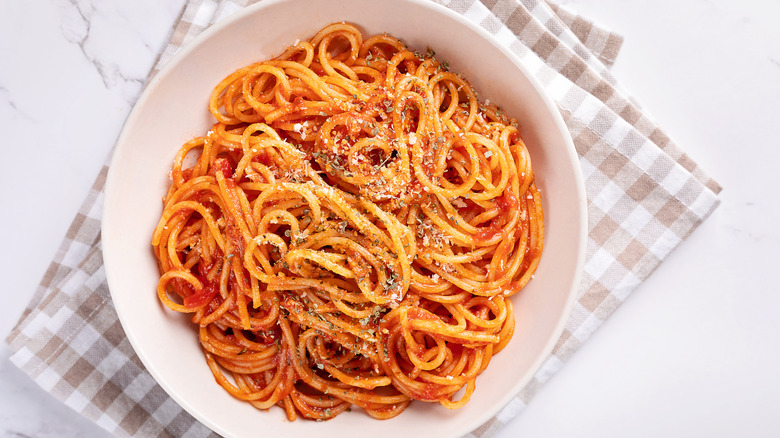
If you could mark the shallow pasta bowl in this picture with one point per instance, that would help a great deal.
(173, 109)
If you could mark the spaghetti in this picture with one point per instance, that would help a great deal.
(351, 229)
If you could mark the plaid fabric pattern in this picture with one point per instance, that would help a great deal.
(644, 197)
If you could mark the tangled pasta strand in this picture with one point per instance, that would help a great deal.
(350, 229)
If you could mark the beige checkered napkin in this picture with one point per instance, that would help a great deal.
(644, 197)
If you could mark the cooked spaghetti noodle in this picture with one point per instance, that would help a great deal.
(350, 230)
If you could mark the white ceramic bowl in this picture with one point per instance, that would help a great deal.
(173, 109)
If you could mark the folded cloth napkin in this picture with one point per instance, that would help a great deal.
(644, 197)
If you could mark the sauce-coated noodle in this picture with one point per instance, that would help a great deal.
(351, 230)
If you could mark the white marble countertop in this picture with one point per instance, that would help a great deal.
(694, 351)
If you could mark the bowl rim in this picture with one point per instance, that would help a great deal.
(186, 50)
